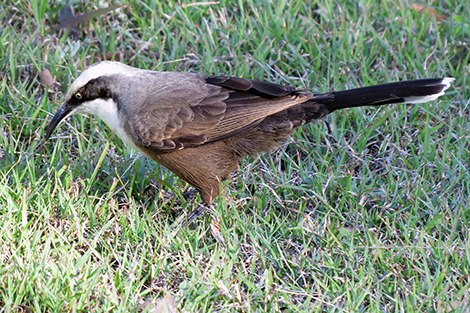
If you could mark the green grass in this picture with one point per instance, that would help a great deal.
(370, 216)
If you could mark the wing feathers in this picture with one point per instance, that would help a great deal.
(239, 116)
(228, 106)
(261, 88)
(235, 83)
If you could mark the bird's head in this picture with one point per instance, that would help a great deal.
(92, 93)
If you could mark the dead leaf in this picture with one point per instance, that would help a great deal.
(67, 14)
(461, 305)
(46, 79)
(165, 305)
(80, 18)
(423, 9)
(459, 301)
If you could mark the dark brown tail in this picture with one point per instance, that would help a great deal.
(411, 91)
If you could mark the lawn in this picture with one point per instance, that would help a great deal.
(364, 211)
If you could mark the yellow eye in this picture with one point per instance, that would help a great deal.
(78, 96)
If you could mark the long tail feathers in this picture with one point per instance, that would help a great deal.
(411, 91)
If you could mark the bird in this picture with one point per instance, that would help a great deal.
(200, 127)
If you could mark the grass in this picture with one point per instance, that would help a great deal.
(367, 214)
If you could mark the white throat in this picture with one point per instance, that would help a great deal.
(107, 111)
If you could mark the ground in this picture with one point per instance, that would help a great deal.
(365, 211)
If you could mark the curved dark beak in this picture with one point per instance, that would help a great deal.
(64, 111)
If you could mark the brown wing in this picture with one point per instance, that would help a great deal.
(170, 111)
(187, 110)
(249, 102)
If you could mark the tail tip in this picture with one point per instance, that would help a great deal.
(445, 83)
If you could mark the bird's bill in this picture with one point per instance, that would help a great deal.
(64, 111)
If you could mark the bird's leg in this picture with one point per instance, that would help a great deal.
(215, 223)
(190, 196)
(328, 127)
(200, 209)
